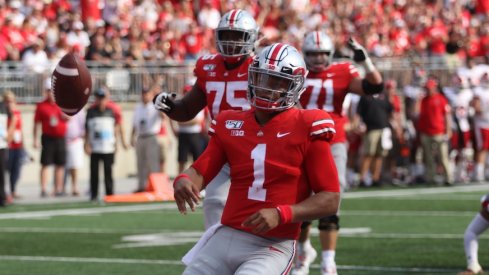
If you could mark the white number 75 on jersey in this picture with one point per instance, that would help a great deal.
(229, 88)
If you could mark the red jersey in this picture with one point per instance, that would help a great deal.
(326, 90)
(51, 118)
(224, 89)
(432, 114)
(278, 163)
(17, 141)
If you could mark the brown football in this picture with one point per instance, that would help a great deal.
(71, 84)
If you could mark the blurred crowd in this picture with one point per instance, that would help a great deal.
(174, 31)
(432, 133)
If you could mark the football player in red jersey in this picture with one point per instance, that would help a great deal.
(278, 155)
(222, 81)
(326, 87)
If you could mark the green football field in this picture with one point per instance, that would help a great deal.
(399, 231)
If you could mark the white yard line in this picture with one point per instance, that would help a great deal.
(89, 260)
(408, 213)
(154, 235)
(415, 191)
(174, 262)
(135, 208)
(85, 211)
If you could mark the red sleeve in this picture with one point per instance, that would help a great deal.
(320, 168)
(212, 159)
(353, 71)
(117, 112)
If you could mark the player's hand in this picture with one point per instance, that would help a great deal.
(359, 52)
(262, 221)
(164, 102)
(185, 192)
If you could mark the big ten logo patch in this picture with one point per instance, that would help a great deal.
(237, 133)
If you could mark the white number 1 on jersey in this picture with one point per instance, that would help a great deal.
(256, 191)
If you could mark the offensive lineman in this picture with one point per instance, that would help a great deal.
(326, 87)
(222, 81)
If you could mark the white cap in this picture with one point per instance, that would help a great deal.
(47, 84)
(15, 4)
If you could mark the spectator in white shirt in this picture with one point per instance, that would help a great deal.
(208, 16)
(146, 127)
(78, 38)
(36, 60)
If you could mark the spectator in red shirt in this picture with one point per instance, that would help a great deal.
(53, 122)
(16, 151)
(193, 42)
(435, 129)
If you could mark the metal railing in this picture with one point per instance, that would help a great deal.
(125, 80)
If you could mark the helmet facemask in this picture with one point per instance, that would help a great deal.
(317, 61)
(235, 42)
(273, 91)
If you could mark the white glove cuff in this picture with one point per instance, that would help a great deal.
(369, 66)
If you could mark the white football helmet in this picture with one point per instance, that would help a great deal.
(276, 78)
(317, 42)
(244, 24)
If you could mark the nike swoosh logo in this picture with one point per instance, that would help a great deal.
(329, 75)
(279, 135)
(241, 75)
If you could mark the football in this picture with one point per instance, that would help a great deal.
(71, 84)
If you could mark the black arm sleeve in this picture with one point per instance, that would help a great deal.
(371, 89)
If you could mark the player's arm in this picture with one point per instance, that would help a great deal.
(183, 109)
(372, 83)
(322, 175)
(190, 182)
(11, 127)
(35, 130)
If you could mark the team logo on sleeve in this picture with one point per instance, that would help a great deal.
(234, 124)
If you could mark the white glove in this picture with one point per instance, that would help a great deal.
(360, 55)
(163, 102)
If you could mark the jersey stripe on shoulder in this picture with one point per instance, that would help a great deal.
(323, 129)
(353, 69)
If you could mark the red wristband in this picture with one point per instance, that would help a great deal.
(285, 212)
(181, 176)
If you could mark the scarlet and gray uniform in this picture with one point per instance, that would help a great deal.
(326, 90)
(279, 163)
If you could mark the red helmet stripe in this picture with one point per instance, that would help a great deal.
(275, 50)
(317, 39)
(232, 17)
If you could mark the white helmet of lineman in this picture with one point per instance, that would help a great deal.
(242, 40)
(317, 42)
(276, 78)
